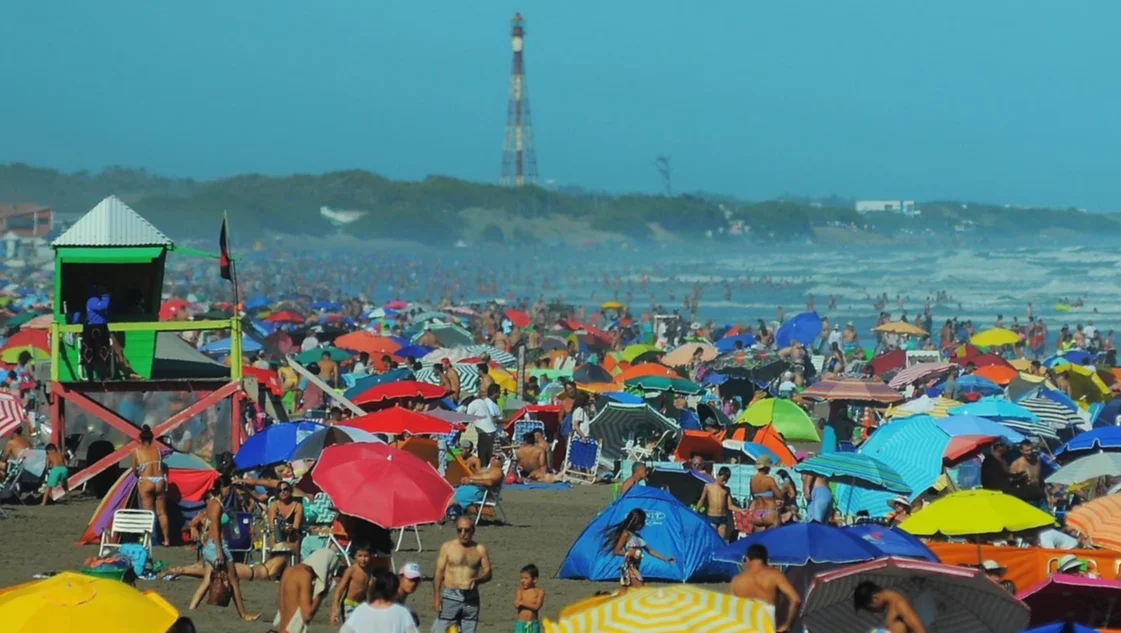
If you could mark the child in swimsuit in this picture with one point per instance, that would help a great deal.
(622, 539)
(351, 590)
(528, 600)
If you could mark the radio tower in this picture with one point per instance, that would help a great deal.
(519, 164)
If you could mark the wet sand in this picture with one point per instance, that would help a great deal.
(543, 525)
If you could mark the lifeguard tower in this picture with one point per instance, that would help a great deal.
(117, 257)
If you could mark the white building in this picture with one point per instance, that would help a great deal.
(906, 207)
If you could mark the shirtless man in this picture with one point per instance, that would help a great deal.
(759, 581)
(467, 452)
(471, 489)
(718, 502)
(1025, 472)
(17, 443)
(532, 464)
(461, 566)
(453, 379)
(638, 474)
(302, 588)
(899, 615)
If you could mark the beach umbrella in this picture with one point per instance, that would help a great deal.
(633, 353)
(274, 444)
(315, 355)
(258, 302)
(312, 446)
(901, 327)
(959, 425)
(11, 413)
(224, 346)
(400, 390)
(71, 602)
(448, 335)
(934, 407)
(502, 357)
(381, 484)
(798, 544)
(518, 318)
(803, 328)
(973, 512)
(892, 541)
(888, 361)
(917, 373)
(728, 343)
(784, 416)
(1074, 356)
(468, 377)
(645, 369)
(1099, 521)
(980, 360)
(368, 382)
(284, 316)
(995, 337)
(1056, 415)
(1102, 438)
(852, 389)
(947, 598)
(683, 354)
(432, 315)
(1076, 599)
(1085, 383)
(366, 341)
(615, 422)
(590, 372)
(397, 420)
(665, 383)
(857, 469)
(416, 351)
(1063, 627)
(998, 374)
(1087, 468)
(22, 318)
(753, 450)
(665, 609)
(41, 322)
(1009, 414)
(973, 384)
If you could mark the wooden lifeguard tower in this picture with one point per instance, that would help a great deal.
(112, 251)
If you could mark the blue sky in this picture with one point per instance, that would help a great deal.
(1000, 100)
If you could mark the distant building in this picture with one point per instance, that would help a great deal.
(906, 207)
(26, 219)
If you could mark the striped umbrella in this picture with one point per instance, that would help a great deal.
(934, 407)
(1087, 468)
(616, 421)
(468, 377)
(1056, 415)
(858, 469)
(852, 389)
(506, 359)
(669, 609)
(11, 413)
(916, 373)
(947, 598)
(1099, 520)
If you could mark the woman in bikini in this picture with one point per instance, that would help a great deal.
(765, 496)
(216, 553)
(622, 539)
(286, 519)
(151, 482)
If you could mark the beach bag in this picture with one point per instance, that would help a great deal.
(566, 426)
(220, 592)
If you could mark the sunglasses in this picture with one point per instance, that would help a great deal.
(466, 530)
(284, 489)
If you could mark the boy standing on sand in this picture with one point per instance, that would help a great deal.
(351, 590)
(528, 600)
(56, 474)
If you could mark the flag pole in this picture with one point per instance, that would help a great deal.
(233, 266)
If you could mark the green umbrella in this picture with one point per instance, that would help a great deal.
(315, 355)
(788, 419)
(20, 319)
(664, 383)
(633, 352)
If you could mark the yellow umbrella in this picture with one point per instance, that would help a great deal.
(670, 608)
(900, 327)
(1086, 386)
(1020, 364)
(11, 354)
(73, 602)
(611, 305)
(995, 337)
(971, 512)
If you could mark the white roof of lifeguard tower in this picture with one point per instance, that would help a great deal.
(112, 223)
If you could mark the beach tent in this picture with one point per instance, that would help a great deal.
(188, 480)
(671, 528)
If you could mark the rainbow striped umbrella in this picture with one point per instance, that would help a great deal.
(670, 609)
(1099, 520)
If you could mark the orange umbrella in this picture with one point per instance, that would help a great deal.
(645, 369)
(1000, 374)
(1099, 520)
(518, 318)
(363, 341)
(767, 436)
(698, 442)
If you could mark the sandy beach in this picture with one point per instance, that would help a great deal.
(543, 524)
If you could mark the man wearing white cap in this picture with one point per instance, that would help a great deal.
(409, 577)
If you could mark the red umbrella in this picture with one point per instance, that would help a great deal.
(852, 389)
(397, 420)
(267, 377)
(284, 316)
(400, 390)
(169, 308)
(889, 361)
(382, 484)
(1065, 597)
(35, 338)
(518, 318)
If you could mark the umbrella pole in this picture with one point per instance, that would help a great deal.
(980, 557)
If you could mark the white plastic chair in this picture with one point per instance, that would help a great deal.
(492, 497)
(139, 522)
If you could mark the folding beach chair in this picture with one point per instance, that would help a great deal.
(492, 497)
(140, 523)
(9, 487)
(581, 461)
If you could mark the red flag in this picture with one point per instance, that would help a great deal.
(224, 260)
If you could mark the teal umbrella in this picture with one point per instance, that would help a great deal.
(315, 355)
(664, 383)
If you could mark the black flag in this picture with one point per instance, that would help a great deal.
(224, 252)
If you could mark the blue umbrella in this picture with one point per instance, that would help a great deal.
(1076, 356)
(995, 409)
(972, 384)
(223, 346)
(956, 425)
(798, 544)
(803, 328)
(274, 444)
(366, 382)
(1107, 415)
(624, 397)
(416, 351)
(893, 541)
(856, 467)
(257, 303)
(1101, 438)
(1062, 627)
(325, 305)
(728, 343)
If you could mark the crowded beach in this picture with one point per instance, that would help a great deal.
(236, 455)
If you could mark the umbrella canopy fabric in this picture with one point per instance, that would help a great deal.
(1088, 601)
(502, 357)
(852, 389)
(665, 609)
(223, 346)
(786, 417)
(1099, 520)
(995, 409)
(518, 318)
(316, 355)
(274, 444)
(855, 467)
(974, 384)
(284, 316)
(1102, 438)
(644, 369)
(958, 425)
(73, 602)
(11, 413)
(900, 327)
(971, 512)
(313, 445)
(803, 328)
(400, 390)
(616, 421)
(468, 377)
(631, 353)
(917, 373)
(590, 372)
(799, 544)
(684, 354)
(995, 337)
(366, 341)
(381, 484)
(1056, 415)
(947, 598)
(368, 382)
(913, 446)
(665, 383)
(728, 343)
(1063, 627)
(396, 420)
(934, 407)
(998, 373)
(893, 541)
(1087, 468)
(447, 334)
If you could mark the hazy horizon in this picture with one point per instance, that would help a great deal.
(1004, 102)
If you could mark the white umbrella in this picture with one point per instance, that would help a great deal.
(1087, 468)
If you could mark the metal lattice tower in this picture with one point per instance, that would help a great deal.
(519, 163)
